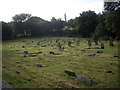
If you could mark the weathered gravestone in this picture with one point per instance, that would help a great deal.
(51, 52)
(102, 45)
(109, 72)
(111, 43)
(84, 79)
(54, 53)
(70, 72)
(89, 43)
(60, 47)
(26, 52)
(99, 51)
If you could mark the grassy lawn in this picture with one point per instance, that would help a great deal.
(20, 69)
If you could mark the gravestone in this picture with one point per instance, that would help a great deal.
(54, 53)
(84, 79)
(70, 73)
(108, 71)
(91, 55)
(111, 43)
(60, 47)
(51, 52)
(102, 45)
(26, 52)
(17, 72)
(99, 51)
(69, 43)
(89, 43)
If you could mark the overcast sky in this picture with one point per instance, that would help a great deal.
(47, 9)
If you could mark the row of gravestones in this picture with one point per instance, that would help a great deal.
(96, 43)
(89, 44)
(69, 42)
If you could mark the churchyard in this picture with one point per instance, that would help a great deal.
(60, 62)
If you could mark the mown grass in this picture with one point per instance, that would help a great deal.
(53, 76)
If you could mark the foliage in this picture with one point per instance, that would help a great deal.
(21, 17)
(112, 17)
(101, 31)
(86, 23)
(6, 31)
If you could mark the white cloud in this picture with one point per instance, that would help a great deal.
(46, 9)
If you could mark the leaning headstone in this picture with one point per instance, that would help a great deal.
(89, 43)
(84, 79)
(70, 73)
(111, 43)
(102, 45)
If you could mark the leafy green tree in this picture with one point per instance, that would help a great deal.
(112, 17)
(36, 26)
(71, 23)
(21, 17)
(6, 31)
(101, 31)
(86, 23)
(19, 23)
(57, 26)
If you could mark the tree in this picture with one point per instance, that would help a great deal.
(19, 23)
(112, 17)
(57, 25)
(6, 31)
(21, 17)
(101, 31)
(86, 23)
(71, 23)
(36, 26)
